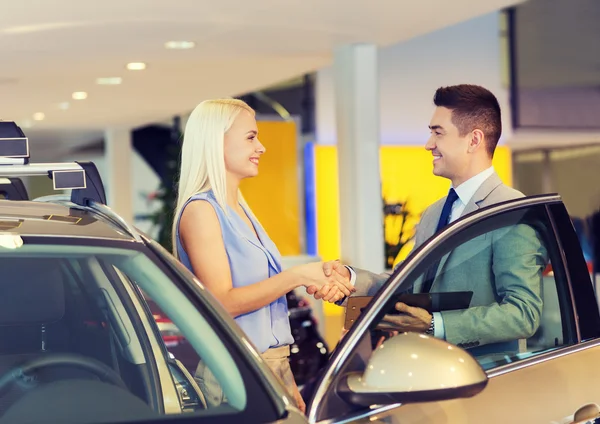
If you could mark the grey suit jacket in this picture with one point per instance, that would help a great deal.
(503, 268)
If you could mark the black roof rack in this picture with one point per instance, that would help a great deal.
(82, 178)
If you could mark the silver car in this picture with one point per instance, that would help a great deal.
(79, 344)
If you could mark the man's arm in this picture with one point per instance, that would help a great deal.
(518, 260)
(368, 283)
(365, 283)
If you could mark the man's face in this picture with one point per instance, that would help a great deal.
(450, 151)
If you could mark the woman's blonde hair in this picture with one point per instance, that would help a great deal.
(202, 153)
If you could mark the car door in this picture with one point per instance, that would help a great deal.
(528, 355)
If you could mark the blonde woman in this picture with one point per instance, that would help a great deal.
(219, 239)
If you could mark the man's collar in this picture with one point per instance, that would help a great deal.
(466, 190)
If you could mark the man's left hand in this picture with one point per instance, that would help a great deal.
(411, 319)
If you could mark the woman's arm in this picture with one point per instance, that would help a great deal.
(201, 236)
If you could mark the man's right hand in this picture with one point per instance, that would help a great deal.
(331, 269)
(336, 266)
(331, 286)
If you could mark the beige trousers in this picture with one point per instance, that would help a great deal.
(276, 358)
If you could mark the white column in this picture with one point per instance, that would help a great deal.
(118, 179)
(357, 121)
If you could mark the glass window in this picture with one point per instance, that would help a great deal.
(73, 320)
(497, 289)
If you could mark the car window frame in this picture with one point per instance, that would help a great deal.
(584, 296)
(348, 345)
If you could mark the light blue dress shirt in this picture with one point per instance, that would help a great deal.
(251, 260)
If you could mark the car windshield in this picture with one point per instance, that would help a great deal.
(102, 333)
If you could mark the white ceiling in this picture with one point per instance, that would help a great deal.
(50, 49)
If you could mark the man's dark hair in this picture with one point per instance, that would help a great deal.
(473, 107)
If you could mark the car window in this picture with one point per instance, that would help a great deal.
(498, 285)
(74, 320)
(515, 297)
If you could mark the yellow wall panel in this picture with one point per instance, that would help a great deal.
(406, 176)
(274, 194)
(327, 202)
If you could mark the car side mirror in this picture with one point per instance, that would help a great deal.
(413, 367)
(587, 414)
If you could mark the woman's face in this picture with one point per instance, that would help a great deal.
(242, 147)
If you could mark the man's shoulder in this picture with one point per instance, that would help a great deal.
(502, 193)
(438, 204)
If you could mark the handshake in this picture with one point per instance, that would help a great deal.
(329, 281)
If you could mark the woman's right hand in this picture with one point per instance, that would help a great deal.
(312, 274)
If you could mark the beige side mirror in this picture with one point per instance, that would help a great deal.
(413, 367)
(586, 414)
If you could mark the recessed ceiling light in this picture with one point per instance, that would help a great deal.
(79, 95)
(136, 66)
(64, 105)
(180, 45)
(39, 116)
(109, 81)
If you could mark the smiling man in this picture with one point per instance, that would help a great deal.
(507, 304)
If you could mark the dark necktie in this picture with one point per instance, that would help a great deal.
(447, 210)
(444, 220)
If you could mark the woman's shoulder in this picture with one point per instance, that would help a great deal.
(200, 216)
(204, 206)
(205, 197)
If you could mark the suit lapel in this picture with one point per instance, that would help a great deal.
(480, 195)
(425, 229)
(428, 225)
(482, 192)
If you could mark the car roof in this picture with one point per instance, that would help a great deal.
(32, 218)
(82, 214)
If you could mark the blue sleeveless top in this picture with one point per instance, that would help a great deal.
(250, 260)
